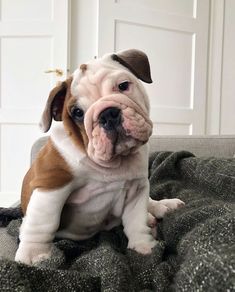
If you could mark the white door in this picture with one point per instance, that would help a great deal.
(33, 39)
(227, 103)
(174, 34)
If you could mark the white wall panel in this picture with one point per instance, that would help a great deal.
(182, 7)
(172, 128)
(23, 62)
(221, 85)
(26, 10)
(227, 122)
(84, 17)
(174, 34)
(16, 142)
(215, 63)
(170, 89)
(33, 38)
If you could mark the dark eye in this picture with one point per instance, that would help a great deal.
(124, 86)
(77, 114)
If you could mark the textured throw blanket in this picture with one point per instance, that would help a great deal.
(195, 250)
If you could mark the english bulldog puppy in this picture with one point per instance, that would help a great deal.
(92, 174)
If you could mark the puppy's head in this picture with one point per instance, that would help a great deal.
(104, 106)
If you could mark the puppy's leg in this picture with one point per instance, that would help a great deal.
(40, 224)
(135, 219)
(152, 223)
(160, 208)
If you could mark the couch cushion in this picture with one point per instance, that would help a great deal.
(207, 146)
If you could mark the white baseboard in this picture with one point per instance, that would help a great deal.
(9, 199)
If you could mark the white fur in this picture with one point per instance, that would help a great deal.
(135, 218)
(160, 208)
(40, 224)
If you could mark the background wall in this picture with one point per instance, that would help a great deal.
(221, 69)
(84, 31)
(220, 105)
(33, 39)
(190, 44)
(227, 121)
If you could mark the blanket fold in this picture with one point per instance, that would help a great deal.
(195, 249)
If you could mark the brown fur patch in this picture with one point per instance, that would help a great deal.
(83, 67)
(49, 171)
(75, 130)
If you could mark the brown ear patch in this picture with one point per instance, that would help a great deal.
(54, 105)
(58, 103)
(83, 67)
(137, 62)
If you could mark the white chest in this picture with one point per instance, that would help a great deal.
(93, 207)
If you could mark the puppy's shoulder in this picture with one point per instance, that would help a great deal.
(51, 167)
(48, 171)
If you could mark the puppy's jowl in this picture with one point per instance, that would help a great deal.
(92, 174)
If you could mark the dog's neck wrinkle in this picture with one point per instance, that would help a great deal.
(119, 164)
(104, 166)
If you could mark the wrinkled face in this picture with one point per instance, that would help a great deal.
(104, 106)
(110, 104)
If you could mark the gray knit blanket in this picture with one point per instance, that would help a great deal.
(195, 250)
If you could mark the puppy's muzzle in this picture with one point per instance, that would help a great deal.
(110, 119)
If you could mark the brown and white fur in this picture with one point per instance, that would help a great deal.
(92, 174)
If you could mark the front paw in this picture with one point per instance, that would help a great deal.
(160, 208)
(32, 252)
(143, 247)
(172, 204)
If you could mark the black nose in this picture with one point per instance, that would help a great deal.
(110, 118)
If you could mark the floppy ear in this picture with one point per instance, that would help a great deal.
(137, 62)
(54, 106)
